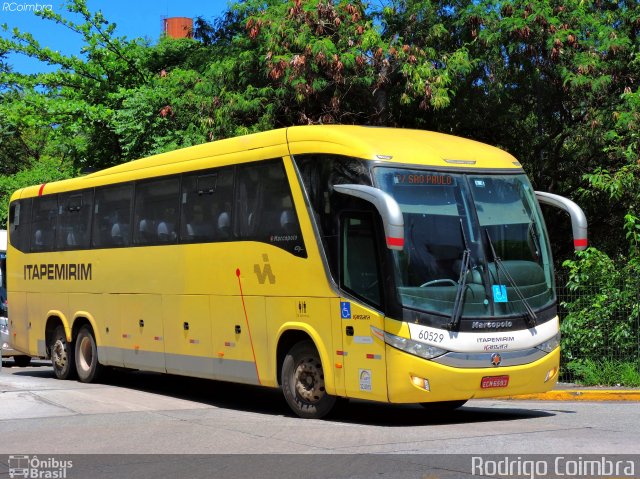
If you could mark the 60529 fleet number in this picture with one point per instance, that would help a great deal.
(432, 336)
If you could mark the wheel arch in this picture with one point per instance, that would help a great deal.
(82, 318)
(55, 319)
(291, 334)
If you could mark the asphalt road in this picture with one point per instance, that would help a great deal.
(148, 413)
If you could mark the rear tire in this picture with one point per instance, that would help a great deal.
(22, 361)
(443, 406)
(62, 355)
(303, 382)
(87, 365)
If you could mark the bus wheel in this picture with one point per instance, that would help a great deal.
(89, 369)
(443, 406)
(62, 357)
(303, 382)
(22, 361)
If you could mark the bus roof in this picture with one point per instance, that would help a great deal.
(397, 145)
(386, 145)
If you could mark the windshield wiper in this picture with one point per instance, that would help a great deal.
(531, 316)
(458, 303)
(532, 230)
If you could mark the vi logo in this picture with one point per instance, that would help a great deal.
(266, 272)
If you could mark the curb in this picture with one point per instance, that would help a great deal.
(582, 395)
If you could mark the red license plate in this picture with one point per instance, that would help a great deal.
(494, 382)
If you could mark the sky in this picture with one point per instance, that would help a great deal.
(134, 18)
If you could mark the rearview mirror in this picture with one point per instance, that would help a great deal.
(578, 218)
(389, 210)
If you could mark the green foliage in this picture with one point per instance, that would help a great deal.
(604, 317)
(45, 170)
(606, 372)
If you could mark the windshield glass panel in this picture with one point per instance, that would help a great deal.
(446, 214)
(512, 226)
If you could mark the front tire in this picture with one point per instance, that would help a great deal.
(303, 382)
(87, 365)
(62, 355)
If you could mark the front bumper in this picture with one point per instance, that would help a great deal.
(447, 383)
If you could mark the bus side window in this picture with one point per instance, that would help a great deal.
(360, 274)
(19, 221)
(156, 211)
(206, 206)
(43, 225)
(112, 216)
(74, 221)
(265, 207)
(248, 200)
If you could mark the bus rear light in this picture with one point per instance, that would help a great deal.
(551, 374)
(422, 383)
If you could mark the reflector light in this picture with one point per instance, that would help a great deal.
(395, 241)
(421, 383)
(551, 374)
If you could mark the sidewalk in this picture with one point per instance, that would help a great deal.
(575, 392)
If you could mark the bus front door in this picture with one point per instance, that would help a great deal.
(365, 372)
(364, 362)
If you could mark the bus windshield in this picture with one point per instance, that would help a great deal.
(473, 242)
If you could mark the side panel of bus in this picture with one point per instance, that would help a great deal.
(208, 309)
(188, 334)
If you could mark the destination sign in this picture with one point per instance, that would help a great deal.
(423, 179)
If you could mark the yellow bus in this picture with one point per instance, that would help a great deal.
(383, 264)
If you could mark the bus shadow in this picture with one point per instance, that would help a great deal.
(260, 400)
(9, 363)
(393, 415)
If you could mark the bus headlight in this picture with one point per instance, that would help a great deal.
(550, 344)
(410, 346)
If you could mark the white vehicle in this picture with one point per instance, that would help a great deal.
(5, 338)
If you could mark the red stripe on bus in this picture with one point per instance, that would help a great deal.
(395, 241)
(41, 189)
(246, 318)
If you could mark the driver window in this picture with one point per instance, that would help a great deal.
(359, 265)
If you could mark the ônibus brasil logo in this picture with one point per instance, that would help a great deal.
(33, 467)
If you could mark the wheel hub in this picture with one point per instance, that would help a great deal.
(86, 353)
(59, 354)
(309, 380)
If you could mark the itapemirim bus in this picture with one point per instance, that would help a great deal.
(391, 265)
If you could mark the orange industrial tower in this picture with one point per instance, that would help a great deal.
(178, 27)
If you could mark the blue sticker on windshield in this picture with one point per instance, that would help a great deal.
(499, 293)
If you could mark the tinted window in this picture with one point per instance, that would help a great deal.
(19, 221)
(156, 212)
(112, 216)
(74, 220)
(360, 274)
(319, 173)
(43, 224)
(264, 208)
(206, 206)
